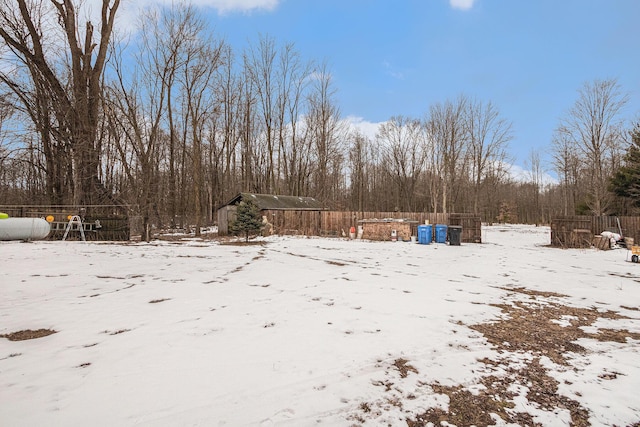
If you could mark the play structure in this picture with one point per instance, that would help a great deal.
(23, 228)
(66, 222)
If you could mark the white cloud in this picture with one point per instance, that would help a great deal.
(227, 6)
(222, 6)
(368, 129)
(462, 4)
(128, 12)
(519, 174)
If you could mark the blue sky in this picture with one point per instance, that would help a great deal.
(528, 57)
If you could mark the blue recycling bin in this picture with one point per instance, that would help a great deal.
(424, 234)
(441, 233)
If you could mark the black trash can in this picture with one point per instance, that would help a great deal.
(455, 235)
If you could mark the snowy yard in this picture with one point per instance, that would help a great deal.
(312, 331)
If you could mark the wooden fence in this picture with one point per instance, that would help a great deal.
(572, 231)
(338, 223)
(116, 223)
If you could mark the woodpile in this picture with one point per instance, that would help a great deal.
(580, 238)
(571, 232)
(601, 242)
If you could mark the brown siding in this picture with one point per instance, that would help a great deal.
(225, 216)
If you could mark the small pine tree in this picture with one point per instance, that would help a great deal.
(248, 220)
(508, 213)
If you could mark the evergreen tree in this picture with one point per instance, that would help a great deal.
(626, 181)
(248, 220)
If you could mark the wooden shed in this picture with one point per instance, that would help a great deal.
(281, 214)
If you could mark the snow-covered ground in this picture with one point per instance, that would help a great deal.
(296, 331)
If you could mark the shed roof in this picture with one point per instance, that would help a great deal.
(278, 202)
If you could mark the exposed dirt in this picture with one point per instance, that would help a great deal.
(118, 332)
(404, 368)
(243, 243)
(547, 329)
(469, 409)
(28, 334)
(538, 325)
(532, 327)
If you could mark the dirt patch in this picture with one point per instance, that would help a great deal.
(118, 332)
(28, 334)
(532, 328)
(260, 255)
(469, 409)
(155, 301)
(404, 368)
(548, 329)
(187, 237)
(243, 243)
(533, 293)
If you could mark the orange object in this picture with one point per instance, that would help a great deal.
(49, 218)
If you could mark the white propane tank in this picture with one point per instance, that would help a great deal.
(24, 228)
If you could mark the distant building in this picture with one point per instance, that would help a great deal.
(301, 214)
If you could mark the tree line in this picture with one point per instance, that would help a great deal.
(176, 122)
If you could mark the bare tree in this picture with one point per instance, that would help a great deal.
(402, 143)
(293, 146)
(6, 111)
(224, 132)
(592, 125)
(446, 128)
(489, 135)
(168, 33)
(326, 131)
(535, 174)
(260, 63)
(34, 104)
(202, 58)
(567, 166)
(360, 161)
(77, 110)
(249, 130)
(135, 104)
